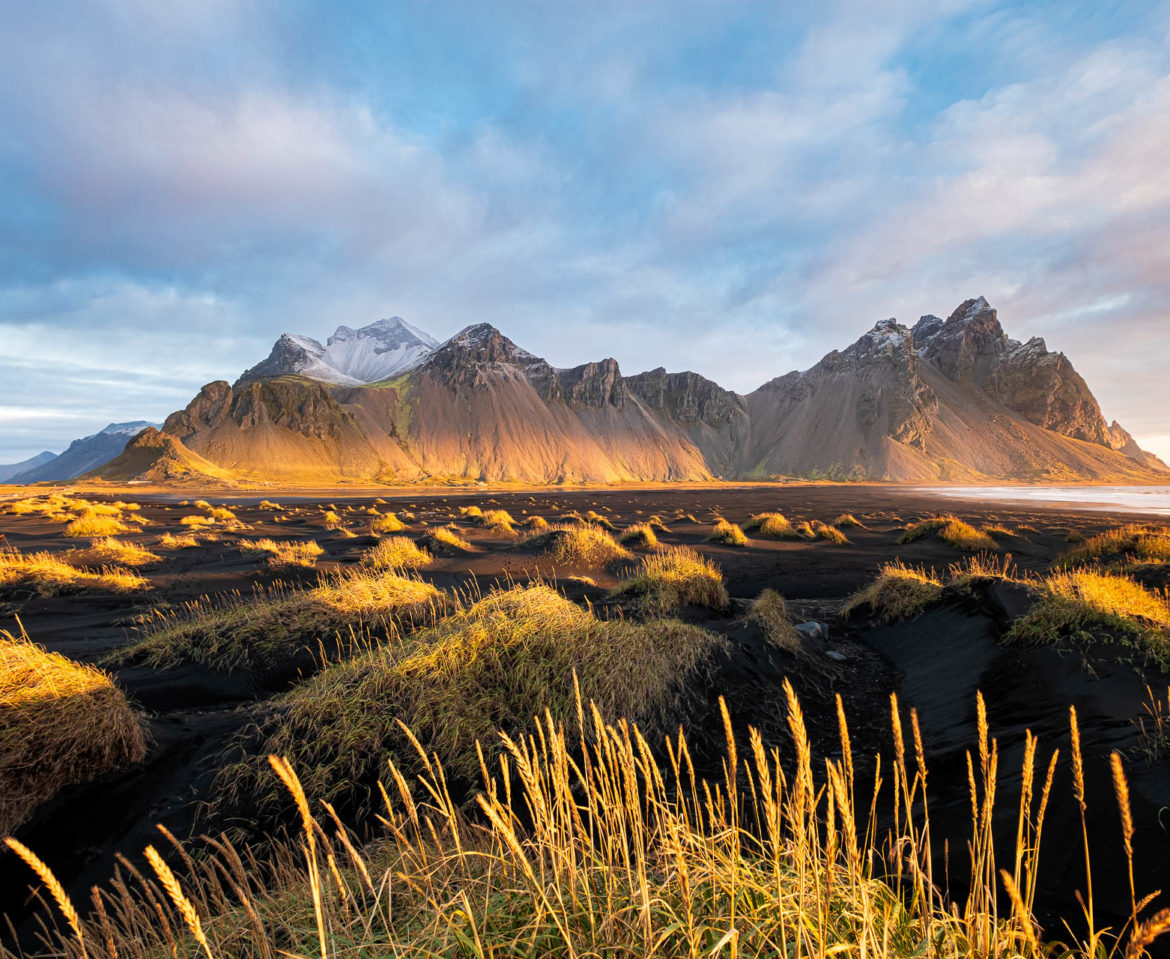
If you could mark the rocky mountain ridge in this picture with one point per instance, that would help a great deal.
(946, 400)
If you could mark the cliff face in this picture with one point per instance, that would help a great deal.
(953, 400)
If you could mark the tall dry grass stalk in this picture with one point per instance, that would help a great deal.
(582, 843)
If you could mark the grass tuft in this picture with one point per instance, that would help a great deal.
(770, 613)
(49, 574)
(848, 519)
(898, 593)
(509, 657)
(397, 553)
(270, 628)
(584, 544)
(109, 551)
(729, 534)
(91, 523)
(389, 523)
(772, 526)
(286, 553)
(446, 540)
(639, 536)
(1088, 606)
(951, 530)
(673, 578)
(1127, 544)
(60, 723)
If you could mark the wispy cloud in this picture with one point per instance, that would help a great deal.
(734, 188)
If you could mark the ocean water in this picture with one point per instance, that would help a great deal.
(1113, 499)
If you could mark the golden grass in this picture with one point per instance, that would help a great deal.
(673, 578)
(580, 844)
(389, 523)
(899, 592)
(584, 544)
(109, 551)
(1087, 606)
(1126, 544)
(286, 553)
(60, 723)
(396, 552)
(269, 505)
(330, 519)
(639, 536)
(598, 520)
(998, 531)
(93, 523)
(195, 521)
(951, 530)
(770, 613)
(260, 630)
(171, 541)
(772, 526)
(470, 511)
(729, 534)
(980, 569)
(815, 529)
(507, 658)
(49, 574)
(446, 539)
(498, 521)
(221, 514)
(848, 519)
(537, 524)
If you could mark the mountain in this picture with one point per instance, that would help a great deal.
(155, 457)
(85, 454)
(8, 470)
(349, 357)
(477, 406)
(953, 400)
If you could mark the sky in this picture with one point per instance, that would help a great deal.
(729, 187)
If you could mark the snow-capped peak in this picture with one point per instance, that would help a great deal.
(379, 351)
(132, 428)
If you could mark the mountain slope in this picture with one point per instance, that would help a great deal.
(951, 401)
(154, 457)
(85, 454)
(8, 470)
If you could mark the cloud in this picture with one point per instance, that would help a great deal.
(731, 188)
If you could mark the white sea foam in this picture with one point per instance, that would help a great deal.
(1113, 499)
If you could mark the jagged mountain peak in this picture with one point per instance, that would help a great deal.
(379, 351)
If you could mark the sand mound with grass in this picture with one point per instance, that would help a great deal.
(60, 723)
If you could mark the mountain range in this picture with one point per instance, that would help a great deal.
(953, 400)
(82, 456)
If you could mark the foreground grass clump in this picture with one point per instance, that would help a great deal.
(900, 592)
(951, 530)
(639, 536)
(396, 552)
(446, 540)
(286, 553)
(609, 854)
(537, 524)
(60, 723)
(772, 526)
(729, 534)
(1134, 544)
(274, 627)
(50, 573)
(674, 578)
(507, 658)
(389, 523)
(770, 613)
(1088, 606)
(585, 544)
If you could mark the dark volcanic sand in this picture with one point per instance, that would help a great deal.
(935, 663)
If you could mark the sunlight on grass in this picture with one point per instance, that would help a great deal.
(585, 544)
(673, 578)
(49, 574)
(729, 534)
(772, 526)
(950, 530)
(899, 592)
(60, 723)
(395, 552)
